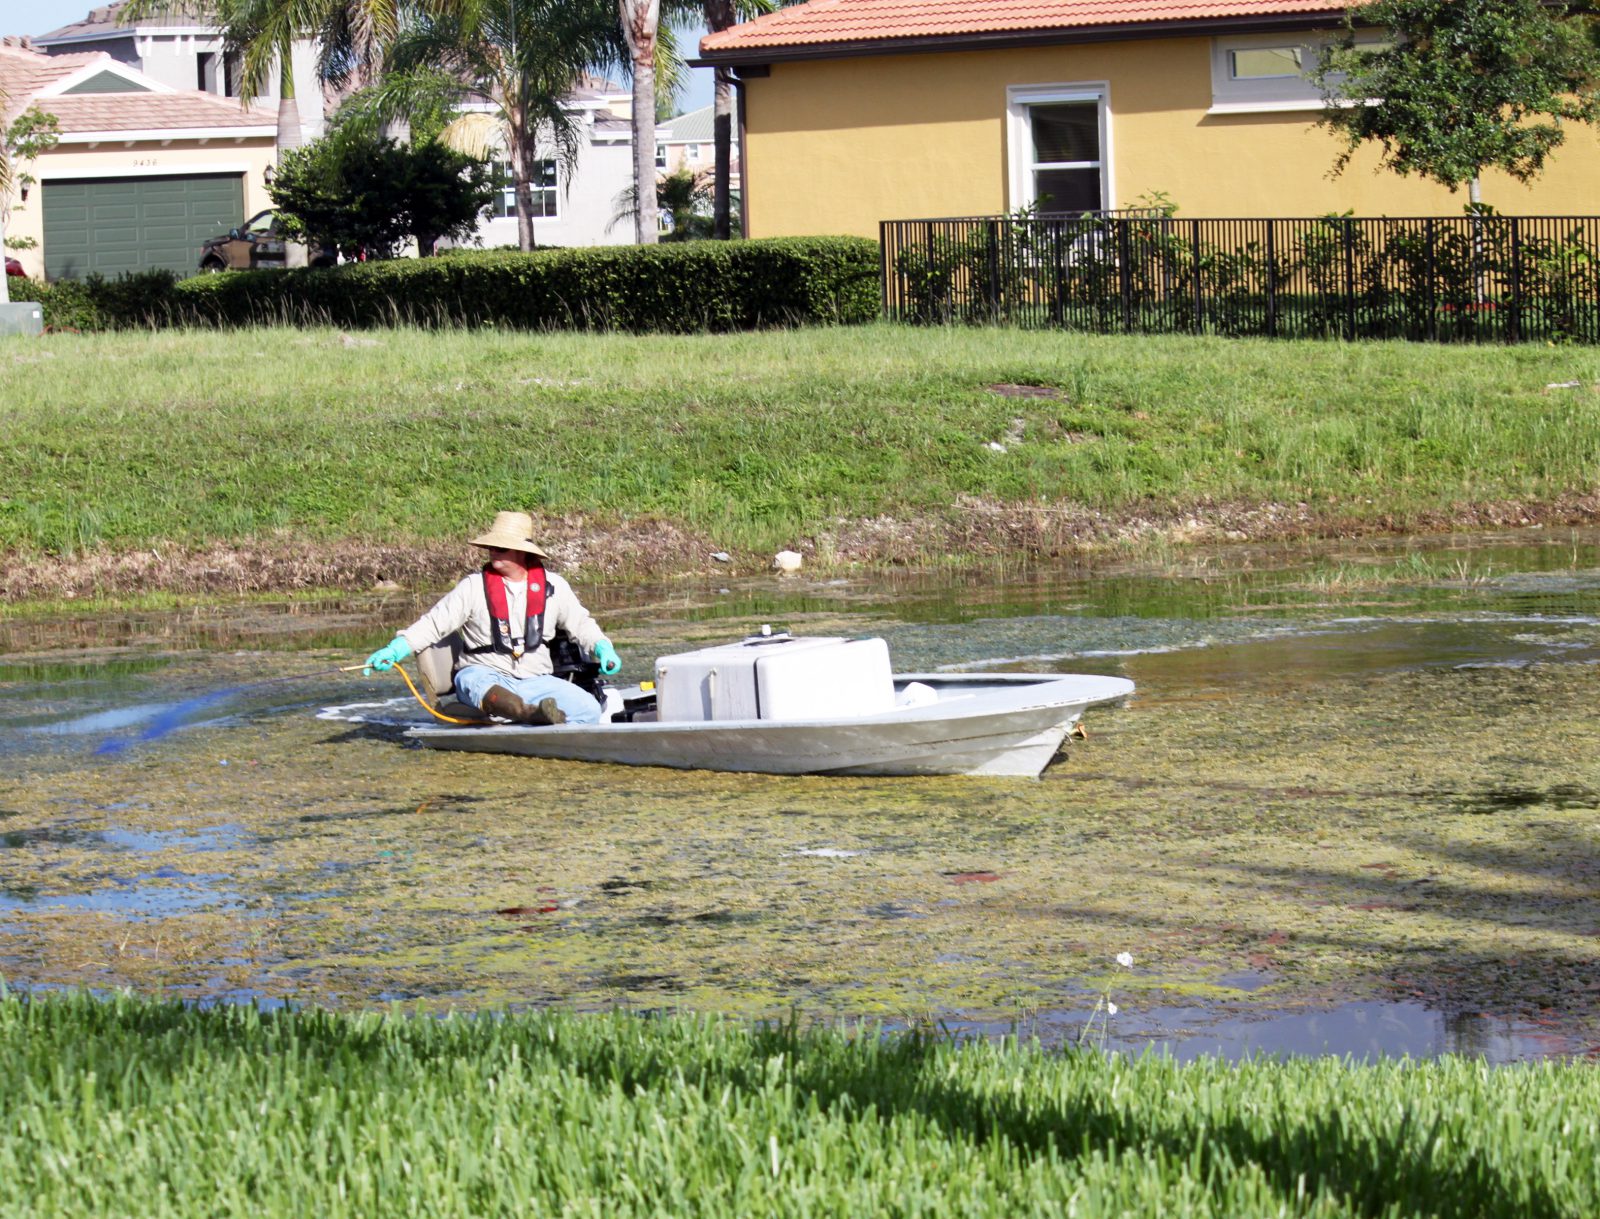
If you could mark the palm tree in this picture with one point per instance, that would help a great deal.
(523, 56)
(641, 26)
(351, 37)
(253, 30)
(719, 16)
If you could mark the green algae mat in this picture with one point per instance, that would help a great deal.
(1261, 827)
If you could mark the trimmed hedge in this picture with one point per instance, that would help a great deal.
(681, 287)
(98, 303)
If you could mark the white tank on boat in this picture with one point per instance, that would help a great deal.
(776, 677)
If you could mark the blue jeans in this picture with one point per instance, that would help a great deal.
(474, 681)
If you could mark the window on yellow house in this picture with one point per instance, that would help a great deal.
(1264, 63)
(1256, 73)
(1057, 143)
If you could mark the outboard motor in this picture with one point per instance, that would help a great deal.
(569, 662)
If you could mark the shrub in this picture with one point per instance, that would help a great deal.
(141, 298)
(685, 287)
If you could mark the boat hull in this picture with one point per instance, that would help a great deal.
(1005, 725)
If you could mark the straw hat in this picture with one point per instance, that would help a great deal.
(510, 531)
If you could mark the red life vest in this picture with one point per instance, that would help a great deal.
(505, 640)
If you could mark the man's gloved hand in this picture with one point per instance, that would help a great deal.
(610, 662)
(386, 657)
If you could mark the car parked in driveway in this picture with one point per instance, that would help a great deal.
(256, 244)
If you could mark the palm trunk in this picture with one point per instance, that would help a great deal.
(722, 198)
(289, 136)
(522, 157)
(640, 20)
(720, 16)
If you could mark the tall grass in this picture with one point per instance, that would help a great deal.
(755, 439)
(132, 1106)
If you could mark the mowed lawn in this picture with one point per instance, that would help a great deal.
(127, 440)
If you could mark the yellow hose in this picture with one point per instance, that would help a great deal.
(417, 694)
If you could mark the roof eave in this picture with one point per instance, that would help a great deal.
(1003, 40)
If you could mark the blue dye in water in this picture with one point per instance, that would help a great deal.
(168, 719)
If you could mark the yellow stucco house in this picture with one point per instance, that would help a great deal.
(854, 112)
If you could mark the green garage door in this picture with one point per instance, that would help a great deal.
(112, 225)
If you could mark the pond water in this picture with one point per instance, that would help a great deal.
(1352, 808)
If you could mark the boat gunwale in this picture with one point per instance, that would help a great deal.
(999, 683)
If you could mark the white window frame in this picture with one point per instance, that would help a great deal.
(1268, 94)
(508, 194)
(1019, 135)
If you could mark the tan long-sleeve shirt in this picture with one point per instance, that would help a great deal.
(465, 608)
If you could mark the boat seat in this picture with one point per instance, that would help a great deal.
(436, 665)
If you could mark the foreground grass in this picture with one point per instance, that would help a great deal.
(135, 1106)
(755, 441)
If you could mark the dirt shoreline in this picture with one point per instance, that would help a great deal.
(655, 548)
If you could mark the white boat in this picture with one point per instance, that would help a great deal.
(1004, 724)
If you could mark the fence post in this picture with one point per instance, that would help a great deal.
(992, 234)
(887, 265)
(1272, 280)
(1432, 294)
(1125, 274)
(1514, 321)
(1058, 270)
(1350, 277)
(1199, 295)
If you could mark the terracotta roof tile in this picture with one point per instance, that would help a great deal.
(24, 73)
(153, 111)
(109, 20)
(820, 22)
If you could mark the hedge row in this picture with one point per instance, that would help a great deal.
(682, 287)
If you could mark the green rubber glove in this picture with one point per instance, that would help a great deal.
(386, 657)
(610, 662)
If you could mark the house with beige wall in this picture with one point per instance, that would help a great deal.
(187, 51)
(854, 112)
(688, 141)
(143, 173)
(575, 204)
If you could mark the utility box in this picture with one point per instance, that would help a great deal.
(776, 677)
(22, 317)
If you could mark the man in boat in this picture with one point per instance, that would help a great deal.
(507, 614)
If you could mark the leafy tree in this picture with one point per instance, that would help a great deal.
(524, 56)
(364, 193)
(1462, 86)
(30, 134)
(8, 177)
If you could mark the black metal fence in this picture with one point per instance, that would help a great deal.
(1447, 279)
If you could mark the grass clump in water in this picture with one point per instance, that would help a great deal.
(137, 1104)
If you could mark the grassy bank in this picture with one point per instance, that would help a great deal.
(132, 1105)
(283, 457)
